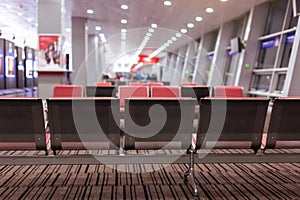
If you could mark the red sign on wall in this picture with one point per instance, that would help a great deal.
(50, 50)
(146, 60)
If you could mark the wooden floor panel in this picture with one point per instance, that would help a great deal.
(215, 181)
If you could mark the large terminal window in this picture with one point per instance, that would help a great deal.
(209, 49)
(272, 61)
(276, 14)
(234, 49)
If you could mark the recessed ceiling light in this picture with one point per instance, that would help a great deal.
(209, 10)
(154, 25)
(29, 19)
(36, 25)
(183, 30)
(170, 41)
(68, 30)
(174, 38)
(124, 7)
(20, 14)
(90, 11)
(98, 28)
(178, 35)
(223, 0)
(151, 30)
(167, 3)
(149, 34)
(8, 6)
(102, 36)
(144, 43)
(123, 30)
(198, 19)
(190, 25)
(123, 21)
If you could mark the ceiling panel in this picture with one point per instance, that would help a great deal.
(142, 13)
(19, 19)
(15, 15)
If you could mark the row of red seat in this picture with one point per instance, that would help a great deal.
(150, 84)
(156, 90)
(141, 91)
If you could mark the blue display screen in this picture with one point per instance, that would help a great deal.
(270, 43)
(290, 38)
(1, 62)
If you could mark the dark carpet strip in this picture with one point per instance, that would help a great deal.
(215, 181)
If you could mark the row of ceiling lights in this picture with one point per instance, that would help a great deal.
(146, 39)
(20, 14)
(183, 30)
(197, 19)
(165, 45)
(169, 42)
(166, 3)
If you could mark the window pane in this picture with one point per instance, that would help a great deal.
(287, 49)
(276, 16)
(267, 57)
(280, 83)
(228, 74)
(261, 82)
(292, 21)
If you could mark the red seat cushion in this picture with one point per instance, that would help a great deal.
(229, 91)
(151, 84)
(132, 91)
(165, 91)
(103, 83)
(136, 84)
(188, 84)
(67, 91)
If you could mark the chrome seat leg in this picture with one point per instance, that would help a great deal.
(190, 172)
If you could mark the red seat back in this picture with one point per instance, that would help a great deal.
(188, 84)
(103, 83)
(228, 91)
(132, 91)
(67, 91)
(151, 84)
(137, 84)
(165, 91)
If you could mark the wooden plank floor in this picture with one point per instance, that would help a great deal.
(215, 181)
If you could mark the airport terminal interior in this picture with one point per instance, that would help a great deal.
(149, 99)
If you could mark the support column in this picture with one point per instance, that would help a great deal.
(252, 47)
(220, 57)
(93, 74)
(49, 17)
(50, 20)
(207, 45)
(179, 65)
(79, 50)
(187, 61)
(292, 83)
